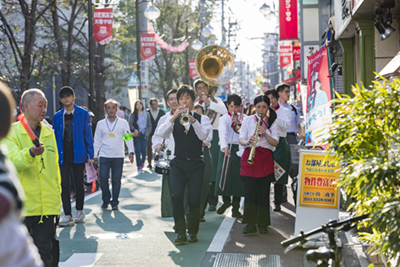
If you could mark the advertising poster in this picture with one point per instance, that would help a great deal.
(319, 95)
(317, 183)
(102, 26)
(288, 24)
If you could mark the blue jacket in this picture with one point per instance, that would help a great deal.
(81, 134)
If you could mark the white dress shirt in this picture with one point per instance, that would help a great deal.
(218, 107)
(283, 120)
(247, 130)
(157, 138)
(109, 138)
(227, 135)
(202, 129)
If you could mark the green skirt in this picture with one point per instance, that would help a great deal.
(282, 157)
(214, 155)
(233, 184)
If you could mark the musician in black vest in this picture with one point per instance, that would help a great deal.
(189, 130)
(155, 115)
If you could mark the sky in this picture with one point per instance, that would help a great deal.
(252, 25)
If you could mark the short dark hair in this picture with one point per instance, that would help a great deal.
(280, 87)
(237, 101)
(170, 92)
(185, 89)
(152, 99)
(200, 107)
(272, 92)
(7, 109)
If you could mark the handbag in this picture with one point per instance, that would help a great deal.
(90, 172)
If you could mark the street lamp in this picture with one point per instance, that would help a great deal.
(197, 45)
(150, 13)
(265, 9)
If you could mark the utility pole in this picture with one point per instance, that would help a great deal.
(91, 80)
(202, 22)
(186, 79)
(139, 68)
(223, 22)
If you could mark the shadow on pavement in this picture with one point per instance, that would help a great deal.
(136, 207)
(147, 175)
(116, 221)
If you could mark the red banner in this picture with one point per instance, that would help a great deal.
(147, 46)
(288, 24)
(285, 55)
(192, 69)
(102, 26)
(228, 86)
(296, 53)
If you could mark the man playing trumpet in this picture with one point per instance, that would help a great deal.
(189, 130)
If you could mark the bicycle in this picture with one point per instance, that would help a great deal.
(326, 255)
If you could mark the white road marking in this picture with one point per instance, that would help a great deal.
(218, 242)
(81, 260)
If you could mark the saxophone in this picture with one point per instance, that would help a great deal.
(253, 145)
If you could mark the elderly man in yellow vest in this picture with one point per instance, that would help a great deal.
(38, 171)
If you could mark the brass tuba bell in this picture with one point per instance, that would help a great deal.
(215, 65)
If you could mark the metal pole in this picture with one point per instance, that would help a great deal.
(202, 16)
(139, 67)
(91, 80)
(187, 56)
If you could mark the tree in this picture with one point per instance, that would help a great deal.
(365, 140)
(23, 55)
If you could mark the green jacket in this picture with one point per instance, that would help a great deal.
(40, 179)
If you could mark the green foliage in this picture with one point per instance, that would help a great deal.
(365, 139)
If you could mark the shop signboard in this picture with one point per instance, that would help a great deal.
(288, 23)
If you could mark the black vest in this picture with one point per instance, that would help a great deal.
(155, 121)
(187, 146)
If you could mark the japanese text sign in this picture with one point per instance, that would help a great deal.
(285, 55)
(296, 53)
(192, 69)
(288, 24)
(102, 26)
(317, 183)
(147, 46)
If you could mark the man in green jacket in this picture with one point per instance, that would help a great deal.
(38, 171)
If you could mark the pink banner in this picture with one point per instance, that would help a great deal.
(164, 45)
(192, 69)
(102, 26)
(288, 24)
(147, 46)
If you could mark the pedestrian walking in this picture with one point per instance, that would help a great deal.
(109, 138)
(187, 168)
(140, 126)
(73, 132)
(38, 171)
(155, 114)
(282, 151)
(259, 134)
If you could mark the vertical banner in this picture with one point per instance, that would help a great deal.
(147, 46)
(288, 24)
(192, 69)
(102, 26)
(285, 55)
(296, 53)
(319, 95)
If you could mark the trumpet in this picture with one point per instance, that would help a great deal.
(185, 119)
(253, 146)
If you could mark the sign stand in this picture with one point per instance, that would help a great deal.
(317, 194)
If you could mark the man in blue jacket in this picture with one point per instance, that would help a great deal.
(73, 133)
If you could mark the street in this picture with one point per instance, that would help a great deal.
(136, 235)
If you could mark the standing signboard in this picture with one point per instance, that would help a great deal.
(317, 193)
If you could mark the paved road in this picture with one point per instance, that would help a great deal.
(136, 235)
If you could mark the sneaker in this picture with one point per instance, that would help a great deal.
(80, 216)
(66, 221)
(114, 207)
(104, 206)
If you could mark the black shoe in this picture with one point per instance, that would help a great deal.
(202, 219)
(262, 229)
(277, 207)
(181, 238)
(236, 214)
(249, 229)
(104, 206)
(114, 207)
(284, 200)
(223, 208)
(192, 238)
(212, 208)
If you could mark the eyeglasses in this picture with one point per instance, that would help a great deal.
(286, 91)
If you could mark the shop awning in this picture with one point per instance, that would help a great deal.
(392, 68)
(294, 79)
